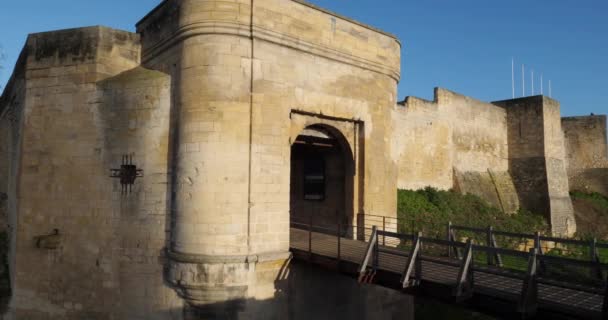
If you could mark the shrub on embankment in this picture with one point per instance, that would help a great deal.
(591, 213)
(429, 210)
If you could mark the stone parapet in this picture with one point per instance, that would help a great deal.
(292, 24)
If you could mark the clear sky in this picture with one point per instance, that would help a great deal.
(462, 45)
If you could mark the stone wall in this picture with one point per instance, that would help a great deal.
(5, 152)
(562, 213)
(454, 142)
(134, 115)
(537, 160)
(424, 140)
(478, 131)
(12, 103)
(587, 153)
(107, 261)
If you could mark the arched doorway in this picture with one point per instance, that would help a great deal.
(322, 177)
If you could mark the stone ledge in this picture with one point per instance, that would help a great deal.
(222, 259)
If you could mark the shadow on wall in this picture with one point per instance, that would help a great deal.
(307, 292)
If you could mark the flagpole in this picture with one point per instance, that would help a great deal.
(532, 80)
(513, 77)
(523, 81)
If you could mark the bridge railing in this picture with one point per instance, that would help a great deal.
(588, 250)
(572, 249)
(409, 255)
(535, 273)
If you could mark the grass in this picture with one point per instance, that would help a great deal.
(429, 210)
(599, 200)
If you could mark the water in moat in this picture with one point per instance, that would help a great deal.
(314, 293)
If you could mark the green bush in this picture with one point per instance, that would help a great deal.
(429, 210)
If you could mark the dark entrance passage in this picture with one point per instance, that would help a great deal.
(321, 177)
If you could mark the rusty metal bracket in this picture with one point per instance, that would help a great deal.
(127, 173)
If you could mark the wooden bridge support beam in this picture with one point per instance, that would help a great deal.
(370, 253)
(464, 282)
(413, 261)
(528, 302)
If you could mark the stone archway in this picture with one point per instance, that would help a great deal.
(322, 177)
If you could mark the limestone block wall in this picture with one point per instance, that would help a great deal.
(478, 131)
(538, 159)
(12, 104)
(455, 142)
(587, 153)
(107, 263)
(134, 115)
(526, 152)
(5, 151)
(424, 139)
(562, 212)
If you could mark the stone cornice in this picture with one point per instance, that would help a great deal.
(219, 259)
(260, 33)
(302, 2)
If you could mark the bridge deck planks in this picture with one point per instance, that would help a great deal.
(504, 287)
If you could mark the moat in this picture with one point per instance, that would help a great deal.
(314, 293)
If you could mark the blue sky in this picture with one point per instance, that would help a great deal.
(463, 45)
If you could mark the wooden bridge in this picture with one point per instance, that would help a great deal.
(530, 277)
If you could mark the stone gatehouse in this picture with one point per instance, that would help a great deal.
(224, 121)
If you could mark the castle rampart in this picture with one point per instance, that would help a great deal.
(455, 142)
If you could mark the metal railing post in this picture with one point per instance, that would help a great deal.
(449, 238)
(537, 245)
(596, 271)
(310, 238)
(360, 226)
(339, 243)
(376, 254)
(489, 255)
(539, 251)
(605, 303)
(384, 230)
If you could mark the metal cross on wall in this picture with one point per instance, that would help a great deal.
(127, 174)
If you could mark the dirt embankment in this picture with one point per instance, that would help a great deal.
(591, 214)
